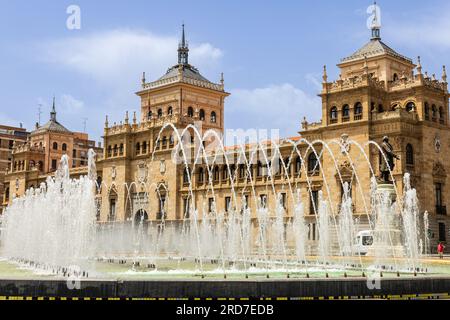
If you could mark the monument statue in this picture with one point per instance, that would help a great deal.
(387, 166)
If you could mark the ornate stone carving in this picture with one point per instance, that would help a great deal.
(113, 172)
(142, 172)
(162, 166)
(346, 170)
(437, 143)
(345, 145)
(439, 170)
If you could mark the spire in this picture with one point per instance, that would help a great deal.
(53, 112)
(324, 76)
(183, 50)
(376, 26)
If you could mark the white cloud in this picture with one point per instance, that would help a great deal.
(273, 107)
(70, 105)
(426, 29)
(121, 55)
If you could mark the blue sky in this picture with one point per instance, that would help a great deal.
(271, 53)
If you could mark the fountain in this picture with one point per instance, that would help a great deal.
(53, 227)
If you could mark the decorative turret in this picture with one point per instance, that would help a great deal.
(106, 122)
(126, 117)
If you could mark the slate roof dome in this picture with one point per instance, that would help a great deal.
(52, 125)
(375, 47)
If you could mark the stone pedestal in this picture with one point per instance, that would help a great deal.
(387, 232)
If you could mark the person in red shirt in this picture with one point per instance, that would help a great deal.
(440, 250)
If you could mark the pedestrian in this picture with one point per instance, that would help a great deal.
(440, 250)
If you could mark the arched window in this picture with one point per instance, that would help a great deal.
(170, 110)
(186, 173)
(242, 171)
(115, 150)
(7, 194)
(298, 164)
(395, 77)
(213, 117)
(410, 106)
(427, 111)
(216, 173)
(394, 107)
(380, 108)
(144, 147)
(224, 173)
(121, 149)
(334, 113)
(441, 115)
(288, 164)
(313, 163)
(202, 114)
(409, 154)
(346, 111)
(64, 147)
(109, 151)
(433, 112)
(259, 169)
(190, 112)
(160, 113)
(138, 148)
(358, 108)
(149, 115)
(55, 146)
(200, 175)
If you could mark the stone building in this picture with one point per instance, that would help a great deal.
(38, 157)
(9, 136)
(379, 93)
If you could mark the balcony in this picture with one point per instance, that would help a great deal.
(441, 210)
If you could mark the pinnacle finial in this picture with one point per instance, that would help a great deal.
(134, 117)
(126, 117)
(444, 74)
(143, 78)
(106, 121)
(419, 65)
(324, 76)
(221, 79)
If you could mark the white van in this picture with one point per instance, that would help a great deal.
(363, 241)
